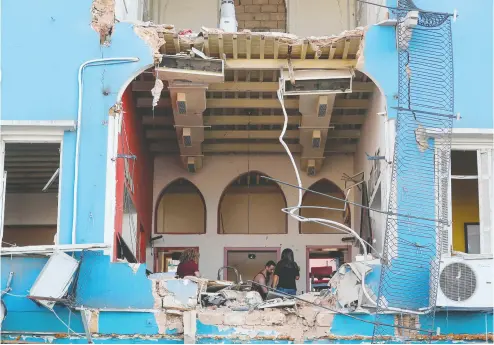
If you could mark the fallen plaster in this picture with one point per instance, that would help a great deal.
(152, 36)
(103, 19)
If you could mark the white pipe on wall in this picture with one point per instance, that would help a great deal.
(94, 62)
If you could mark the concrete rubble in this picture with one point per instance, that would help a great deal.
(225, 305)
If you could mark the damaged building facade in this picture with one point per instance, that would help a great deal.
(145, 139)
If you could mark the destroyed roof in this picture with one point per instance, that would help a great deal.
(164, 39)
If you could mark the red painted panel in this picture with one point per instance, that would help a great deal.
(131, 141)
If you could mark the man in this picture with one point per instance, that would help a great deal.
(263, 278)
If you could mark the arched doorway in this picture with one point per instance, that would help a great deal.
(180, 209)
(311, 199)
(252, 205)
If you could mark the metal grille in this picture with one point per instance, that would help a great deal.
(412, 247)
(323, 108)
(182, 108)
(458, 282)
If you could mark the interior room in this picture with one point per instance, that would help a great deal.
(248, 262)
(465, 201)
(31, 198)
(167, 259)
(322, 264)
(213, 145)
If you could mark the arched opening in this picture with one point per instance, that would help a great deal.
(312, 199)
(252, 205)
(180, 209)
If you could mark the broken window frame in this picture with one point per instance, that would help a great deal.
(27, 131)
(482, 142)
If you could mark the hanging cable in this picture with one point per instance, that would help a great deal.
(291, 211)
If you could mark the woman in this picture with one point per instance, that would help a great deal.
(286, 273)
(188, 265)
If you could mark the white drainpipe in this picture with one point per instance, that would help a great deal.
(228, 22)
(80, 80)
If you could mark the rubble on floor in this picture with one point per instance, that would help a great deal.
(219, 303)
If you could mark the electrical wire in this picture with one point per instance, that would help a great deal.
(353, 203)
(14, 295)
(58, 317)
(291, 211)
(339, 311)
(406, 9)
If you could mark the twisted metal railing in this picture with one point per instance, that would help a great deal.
(419, 182)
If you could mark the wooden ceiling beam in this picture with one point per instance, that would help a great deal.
(243, 120)
(275, 104)
(145, 86)
(252, 134)
(249, 120)
(163, 148)
(263, 64)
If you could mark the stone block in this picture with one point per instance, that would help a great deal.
(211, 317)
(324, 319)
(252, 8)
(309, 315)
(251, 24)
(281, 24)
(277, 16)
(253, 318)
(245, 2)
(245, 16)
(234, 318)
(260, 2)
(240, 9)
(270, 24)
(274, 317)
(281, 9)
(269, 9)
(261, 16)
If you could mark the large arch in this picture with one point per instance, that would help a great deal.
(180, 209)
(311, 199)
(252, 205)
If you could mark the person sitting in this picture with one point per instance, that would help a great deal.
(188, 265)
(262, 278)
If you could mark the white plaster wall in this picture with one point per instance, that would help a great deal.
(129, 10)
(367, 14)
(185, 14)
(31, 209)
(216, 174)
(376, 125)
(320, 17)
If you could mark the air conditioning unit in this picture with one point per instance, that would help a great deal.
(315, 82)
(465, 282)
(191, 69)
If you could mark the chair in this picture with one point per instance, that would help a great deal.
(319, 277)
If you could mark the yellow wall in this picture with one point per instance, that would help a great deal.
(465, 202)
(311, 199)
(256, 213)
(181, 213)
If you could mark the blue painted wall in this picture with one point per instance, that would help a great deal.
(101, 285)
(473, 55)
(40, 62)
